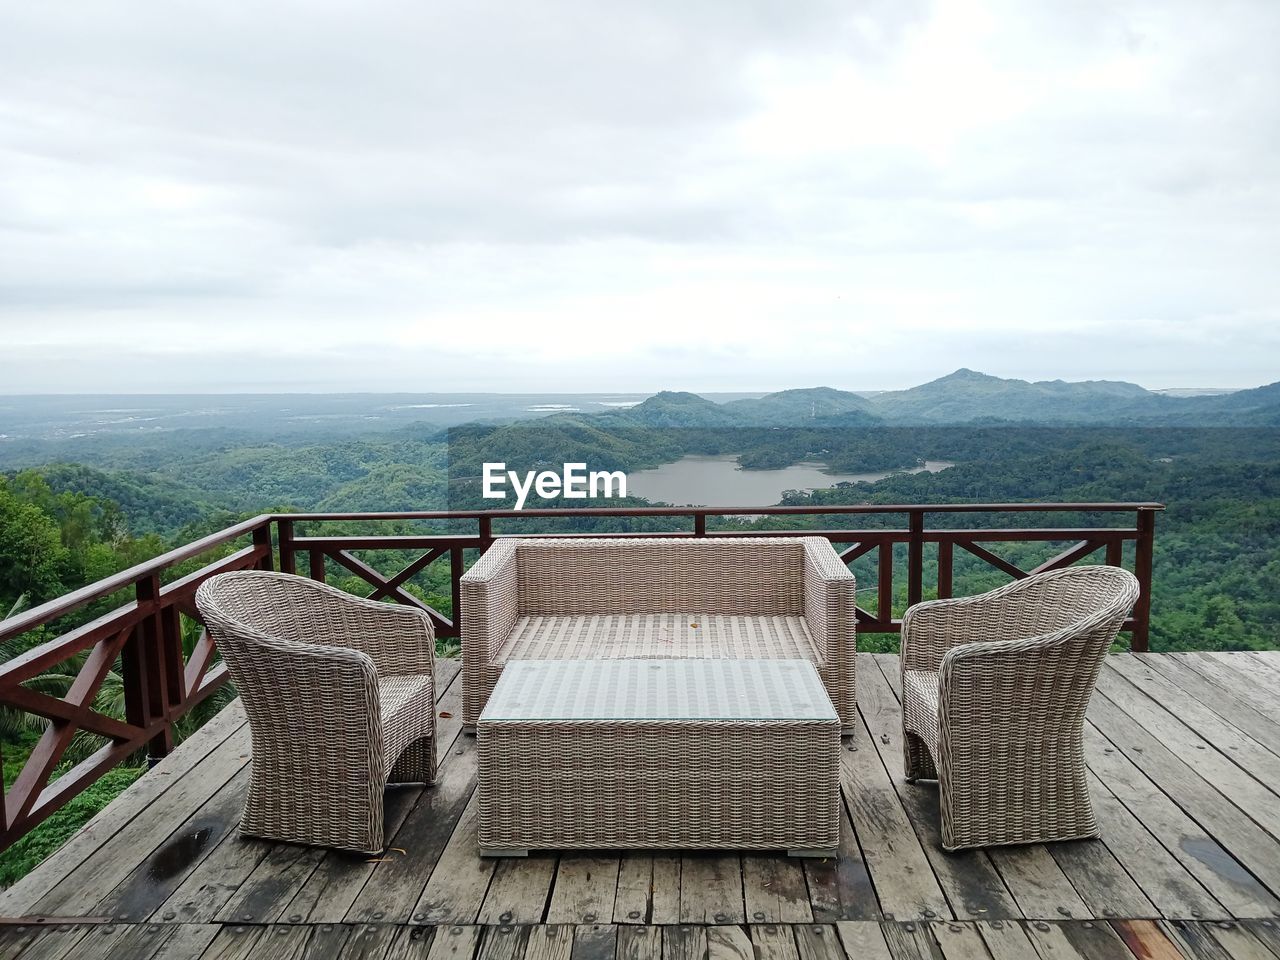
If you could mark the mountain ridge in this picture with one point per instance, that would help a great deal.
(966, 396)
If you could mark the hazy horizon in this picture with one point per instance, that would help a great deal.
(648, 392)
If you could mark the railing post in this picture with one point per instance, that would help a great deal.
(915, 558)
(884, 583)
(262, 541)
(284, 528)
(945, 553)
(317, 565)
(172, 678)
(486, 533)
(1140, 641)
(699, 524)
(147, 678)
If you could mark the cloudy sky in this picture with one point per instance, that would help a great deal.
(708, 195)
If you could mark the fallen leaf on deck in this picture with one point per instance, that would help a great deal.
(386, 859)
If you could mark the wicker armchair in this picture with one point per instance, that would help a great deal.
(339, 692)
(601, 599)
(994, 691)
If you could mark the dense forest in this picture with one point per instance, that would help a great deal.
(72, 512)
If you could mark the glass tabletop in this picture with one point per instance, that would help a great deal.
(686, 689)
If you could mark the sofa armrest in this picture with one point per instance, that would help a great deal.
(490, 603)
(829, 600)
(830, 611)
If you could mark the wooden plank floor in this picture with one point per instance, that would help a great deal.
(1184, 754)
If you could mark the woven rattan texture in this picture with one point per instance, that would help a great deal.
(603, 598)
(644, 780)
(995, 689)
(340, 700)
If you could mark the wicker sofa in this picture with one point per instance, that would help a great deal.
(339, 692)
(614, 598)
(994, 691)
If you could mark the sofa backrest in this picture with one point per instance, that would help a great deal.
(762, 576)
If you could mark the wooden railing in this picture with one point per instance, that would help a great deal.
(142, 638)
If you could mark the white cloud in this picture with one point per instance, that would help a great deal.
(636, 196)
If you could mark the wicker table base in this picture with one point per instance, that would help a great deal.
(667, 754)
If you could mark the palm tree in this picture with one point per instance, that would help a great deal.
(202, 712)
(15, 723)
(18, 725)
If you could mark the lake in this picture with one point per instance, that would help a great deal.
(720, 482)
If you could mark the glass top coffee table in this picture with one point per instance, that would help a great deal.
(665, 754)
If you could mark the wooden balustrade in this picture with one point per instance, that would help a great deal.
(142, 638)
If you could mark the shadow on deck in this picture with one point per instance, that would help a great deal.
(1184, 751)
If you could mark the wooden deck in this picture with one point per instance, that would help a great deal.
(1185, 755)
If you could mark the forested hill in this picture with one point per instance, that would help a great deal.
(84, 507)
(1217, 581)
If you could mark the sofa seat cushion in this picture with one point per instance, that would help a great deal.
(658, 635)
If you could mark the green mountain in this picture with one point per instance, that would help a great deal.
(811, 406)
(804, 406)
(1257, 407)
(967, 396)
(673, 409)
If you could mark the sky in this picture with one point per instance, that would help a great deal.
(573, 195)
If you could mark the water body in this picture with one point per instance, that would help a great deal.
(720, 482)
